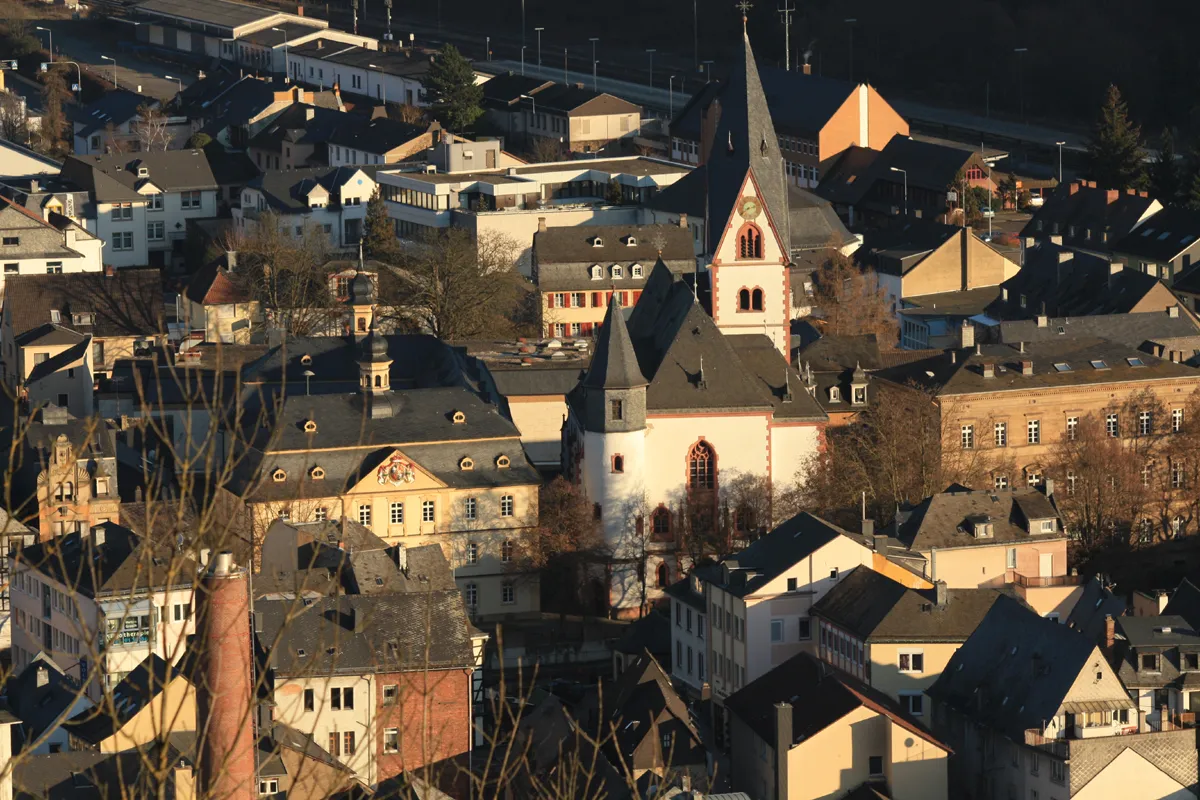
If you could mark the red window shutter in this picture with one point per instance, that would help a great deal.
(624, 299)
(550, 300)
(596, 301)
(607, 298)
(636, 295)
(585, 328)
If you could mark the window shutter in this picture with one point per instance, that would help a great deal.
(550, 300)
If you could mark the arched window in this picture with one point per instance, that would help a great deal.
(662, 575)
(379, 381)
(744, 300)
(660, 523)
(750, 241)
(702, 466)
(756, 300)
(362, 323)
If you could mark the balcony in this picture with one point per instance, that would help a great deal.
(1044, 581)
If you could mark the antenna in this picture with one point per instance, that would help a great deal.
(864, 504)
(785, 14)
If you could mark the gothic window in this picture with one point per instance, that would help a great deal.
(662, 575)
(702, 466)
(750, 241)
(744, 300)
(756, 300)
(660, 523)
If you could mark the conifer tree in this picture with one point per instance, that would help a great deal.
(379, 232)
(1165, 179)
(451, 89)
(1115, 152)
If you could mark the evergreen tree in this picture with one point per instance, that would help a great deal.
(379, 233)
(1115, 151)
(1193, 194)
(1166, 182)
(451, 88)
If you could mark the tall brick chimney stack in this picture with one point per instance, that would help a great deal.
(225, 691)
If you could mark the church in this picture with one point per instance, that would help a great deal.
(690, 408)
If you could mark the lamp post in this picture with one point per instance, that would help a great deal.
(905, 172)
(1060, 147)
(382, 84)
(851, 22)
(1021, 79)
(488, 48)
(50, 34)
(566, 80)
(114, 63)
(522, 25)
(651, 51)
(178, 82)
(593, 40)
(522, 60)
(308, 376)
(532, 100)
(286, 67)
(671, 97)
(785, 14)
(695, 35)
(539, 33)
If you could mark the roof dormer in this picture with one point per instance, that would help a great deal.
(980, 526)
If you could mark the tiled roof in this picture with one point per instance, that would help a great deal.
(621, 243)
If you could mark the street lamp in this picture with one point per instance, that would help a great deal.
(114, 63)
(308, 375)
(539, 33)
(897, 169)
(522, 60)
(651, 51)
(49, 33)
(671, 97)
(1021, 79)
(178, 81)
(286, 67)
(593, 40)
(488, 46)
(851, 22)
(1060, 147)
(696, 35)
(382, 84)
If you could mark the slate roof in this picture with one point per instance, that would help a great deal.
(320, 638)
(897, 249)
(127, 303)
(134, 693)
(744, 573)
(1164, 237)
(849, 178)
(614, 365)
(650, 633)
(1127, 330)
(390, 63)
(169, 170)
(574, 245)
(928, 166)
(270, 37)
(745, 142)
(1094, 604)
(572, 100)
(963, 303)
(295, 126)
(813, 221)
(17, 219)
(835, 353)
(1099, 218)
(684, 196)
(90, 434)
(940, 521)
(40, 709)
(819, 695)
(876, 608)
(1185, 602)
(59, 361)
(518, 382)
(223, 13)
(964, 375)
(127, 563)
(380, 135)
(506, 90)
(1017, 669)
(644, 695)
(287, 190)
(114, 107)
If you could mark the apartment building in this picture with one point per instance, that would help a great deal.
(70, 467)
(141, 203)
(805, 731)
(1033, 709)
(1083, 216)
(578, 270)
(332, 200)
(689, 633)
(1157, 658)
(35, 245)
(578, 119)
(894, 638)
(100, 601)
(760, 600)
(388, 77)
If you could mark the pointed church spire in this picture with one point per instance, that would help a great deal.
(614, 364)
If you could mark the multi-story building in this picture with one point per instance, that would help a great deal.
(99, 601)
(305, 136)
(73, 465)
(44, 245)
(1033, 709)
(689, 633)
(804, 731)
(1158, 660)
(817, 119)
(1083, 216)
(760, 600)
(1164, 246)
(578, 270)
(579, 120)
(141, 203)
(389, 77)
(333, 199)
(894, 638)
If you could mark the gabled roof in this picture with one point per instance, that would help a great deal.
(645, 700)
(1016, 671)
(1185, 602)
(380, 135)
(1163, 237)
(127, 303)
(614, 365)
(819, 695)
(287, 190)
(1129, 330)
(897, 249)
(134, 692)
(1089, 217)
(169, 170)
(114, 107)
(212, 285)
(60, 361)
(940, 521)
(745, 144)
(506, 90)
(603, 244)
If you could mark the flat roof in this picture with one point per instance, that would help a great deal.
(463, 177)
(634, 165)
(212, 12)
(351, 55)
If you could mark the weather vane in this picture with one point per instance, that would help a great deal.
(745, 6)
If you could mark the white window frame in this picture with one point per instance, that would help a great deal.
(1033, 431)
(906, 702)
(910, 652)
(1000, 432)
(396, 513)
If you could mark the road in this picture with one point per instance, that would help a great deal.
(653, 99)
(85, 43)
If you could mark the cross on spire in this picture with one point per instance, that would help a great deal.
(745, 6)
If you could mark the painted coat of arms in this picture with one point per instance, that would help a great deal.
(396, 471)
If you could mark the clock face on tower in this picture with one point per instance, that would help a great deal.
(749, 207)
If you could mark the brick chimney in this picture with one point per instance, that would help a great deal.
(807, 69)
(224, 693)
(1110, 632)
(1073, 187)
(683, 220)
(299, 11)
(784, 738)
(541, 224)
(1111, 195)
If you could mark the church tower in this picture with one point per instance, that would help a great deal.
(362, 305)
(748, 230)
(614, 427)
(374, 374)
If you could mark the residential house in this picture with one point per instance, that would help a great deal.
(836, 372)
(17, 160)
(34, 245)
(112, 124)
(1033, 709)
(142, 203)
(760, 600)
(1082, 216)
(48, 318)
(804, 730)
(907, 178)
(217, 304)
(1157, 658)
(1164, 246)
(689, 633)
(70, 467)
(652, 729)
(577, 270)
(1149, 330)
(817, 119)
(306, 136)
(41, 697)
(580, 120)
(134, 599)
(894, 638)
(233, 108)
(389, 77)
(333, 199)
(1011, 404)
(12, 534)
(48, 194)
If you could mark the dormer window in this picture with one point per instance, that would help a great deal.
(1190, 661)
(1148, 662)
(310, 426)
(84, 318)
(597, 241)
(503, 462)
(55, 316)
(860, 395)
(617, 271)
(631, 241)
(1046, 526)
(317, 474)
(597, 272)
(459, 418)
(835, 394)
(466, 464)
(980, 526)
(635, 271)
(279, 476)
(306, 359)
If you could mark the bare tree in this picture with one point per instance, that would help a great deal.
(544, 149)
(14, 124)
(151, 128)
(852, 302)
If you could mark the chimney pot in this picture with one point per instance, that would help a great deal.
(808, 69)
(1110, 631)
(300, 12)
(967, 335)
(989, 370)
(940, 592)
(1026, 367)
(868, 528)
(1111, 195)
(880, 543)
(1043, 321)
(1049, 487)
(541, 224)
(683, 220)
